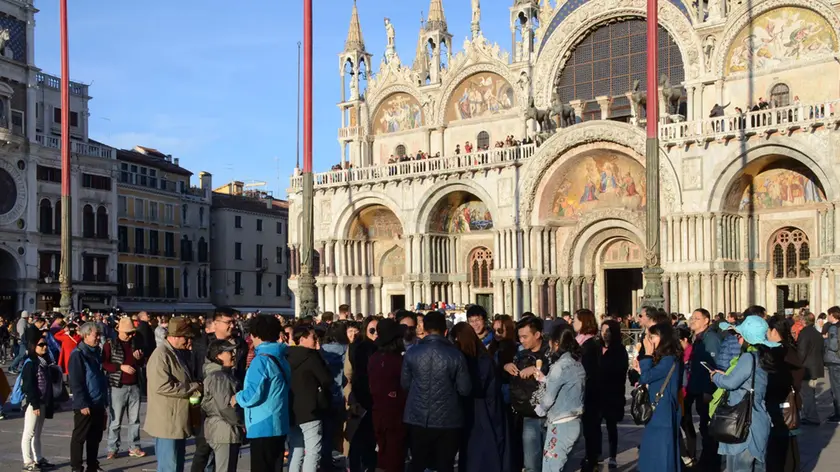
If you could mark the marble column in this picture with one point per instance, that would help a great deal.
(528, 234)
(354, 306)
(706, 287)
(536, 297)
(378, 296)
(526, 296)
(719, 291)
(517, 300)
(590, 287)
(429, 296)
(497, 259)
(552, 297)
(365, 299)
(696, 300)
(690, 103)
(566, 290)
(832, 289)
(816, 300)
(666, 291)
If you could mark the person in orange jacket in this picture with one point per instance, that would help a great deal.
(69, 339)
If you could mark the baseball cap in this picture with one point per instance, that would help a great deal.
(219, 346)
(753, 329)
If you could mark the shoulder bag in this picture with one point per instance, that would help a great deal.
(641, 408)
(731, 423)
(791, 408)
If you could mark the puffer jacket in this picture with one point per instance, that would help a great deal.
(730, 348)
(435, 375)
(265, 394)
(832, 344)
(706, 347)
(223, 424)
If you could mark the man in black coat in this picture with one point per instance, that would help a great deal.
(309, 397)
(435, 375)
(145, 334)
(810, 349)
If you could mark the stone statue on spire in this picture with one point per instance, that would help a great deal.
(391, 48)
(476, 18)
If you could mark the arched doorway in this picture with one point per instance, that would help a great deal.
(621, 260)
(8, 285)
(459, 231)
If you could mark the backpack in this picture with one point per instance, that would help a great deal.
(16, 399)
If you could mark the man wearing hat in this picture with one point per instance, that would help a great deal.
(170, 386)
(122, 358)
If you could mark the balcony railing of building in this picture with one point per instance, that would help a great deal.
(53, 82)
(349, 132)
(463, 162)
(76, 147)
(771, 120)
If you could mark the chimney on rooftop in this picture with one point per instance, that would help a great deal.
(175, 161)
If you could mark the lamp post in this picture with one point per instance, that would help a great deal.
(306, 281)
(653, 295)
(65, 275)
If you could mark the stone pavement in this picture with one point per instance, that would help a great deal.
(820, 446)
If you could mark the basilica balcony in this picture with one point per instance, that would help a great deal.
(782, 120)
(76, 147)
(480, 160)
(349, 132)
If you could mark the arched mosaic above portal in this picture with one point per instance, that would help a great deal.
(375, 223)
(780, 36)
(595, 182)
(393, 263)
(399, 112)
(460, 212)
(481, 95)
(774, 188)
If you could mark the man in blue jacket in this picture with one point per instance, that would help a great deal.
(700, 388)
(90, 398)
(265, 394)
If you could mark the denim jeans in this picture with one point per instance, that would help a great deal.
(744, 462)
(19, 358)
(124, 399)
(170, 454)
(559, 441)
(533, 440)
(834, 379)
(305, 445)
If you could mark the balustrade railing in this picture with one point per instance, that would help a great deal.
(731, 126)
(478, 159)
(76, 147)
(707, 129)
(349, 132)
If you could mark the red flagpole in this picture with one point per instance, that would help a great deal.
(652, 109)
(65, 276)
(307, 86)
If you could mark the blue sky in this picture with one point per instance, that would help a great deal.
(213, 82)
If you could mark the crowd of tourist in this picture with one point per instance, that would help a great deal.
(421, 389)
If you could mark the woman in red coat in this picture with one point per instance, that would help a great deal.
(69, 339)
(384, 370)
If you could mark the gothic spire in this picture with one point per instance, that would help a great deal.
(437, 19)
(354, 42)
(421, 58)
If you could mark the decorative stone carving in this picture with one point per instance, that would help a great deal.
(597, 241)
(743, 15)
(709, 51)
(557, 49)
(4, 40)
(692, 173)
(594, 132)
(12, 192)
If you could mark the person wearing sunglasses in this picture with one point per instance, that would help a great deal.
(39, 403)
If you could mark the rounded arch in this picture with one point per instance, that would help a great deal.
(396, 113)
(376, 99)
(392, 262)
(11, 267)
(557, 48)
(593, 134)
(748, 13)
(730, 170)
(342, 222)
(433, 196)
(579, 249)
(457, 76)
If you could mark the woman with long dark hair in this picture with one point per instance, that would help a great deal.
(384, 370)
(753, 365)
(614, 366)
(783, 381)
(561, 398)
(362, 455)
(37, 388)
(659, 450)
(587, 329)
(484, 444)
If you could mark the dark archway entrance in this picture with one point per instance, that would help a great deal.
(8, 285)
(621, 286)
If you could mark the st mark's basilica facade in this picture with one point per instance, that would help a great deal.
(515, 206)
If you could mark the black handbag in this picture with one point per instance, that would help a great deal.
(731, 423)
(641, 408)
